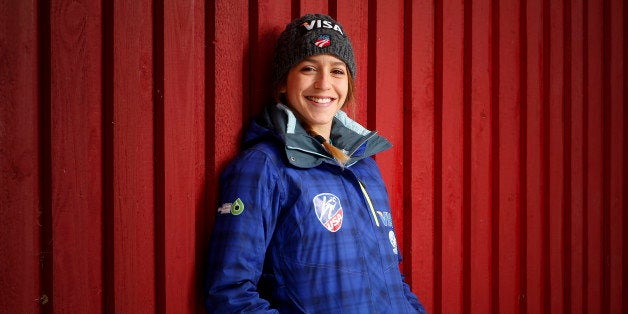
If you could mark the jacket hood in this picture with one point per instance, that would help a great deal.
(278, 122)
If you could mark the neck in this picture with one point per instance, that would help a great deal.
(325, 132)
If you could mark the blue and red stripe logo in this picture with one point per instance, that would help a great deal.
(322, 41)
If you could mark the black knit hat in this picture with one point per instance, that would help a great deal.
(309, 35)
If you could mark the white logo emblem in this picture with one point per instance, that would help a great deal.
(393, 241)
(329, 211)
(322, 24)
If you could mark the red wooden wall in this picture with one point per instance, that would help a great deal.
(508, 119)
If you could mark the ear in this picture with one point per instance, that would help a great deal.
(282, 88)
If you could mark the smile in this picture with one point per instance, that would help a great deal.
(320, 100)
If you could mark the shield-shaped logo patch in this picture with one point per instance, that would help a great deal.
(329, 211)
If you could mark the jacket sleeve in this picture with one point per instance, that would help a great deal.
(412, 298)
(250, 198)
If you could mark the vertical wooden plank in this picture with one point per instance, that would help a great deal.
(199, 224)
(567, 156)
(183, 130)
(20, 202)
(509, 157)
(76, 155)
(479, 126)
(467, 96)
(129, 160)
(419, 150)
(577, 167)
(313, 6)
(625, 161)
(226, 89)
(614, 45)
(594, 224)
(452, 155)
(534, 187)
(545, 131)
(354, 16)
(556, 205)
(226, 100)
(438, 154)
(523, 156)
(585, 157)
(606, 157)
(263, 37)
(387, 100)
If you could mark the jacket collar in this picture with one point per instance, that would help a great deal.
(303, 151)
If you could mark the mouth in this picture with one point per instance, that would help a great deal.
(320, 100)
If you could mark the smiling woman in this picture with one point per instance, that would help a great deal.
(302, 227)
(317, 88)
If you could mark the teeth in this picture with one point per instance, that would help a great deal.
(320, 100)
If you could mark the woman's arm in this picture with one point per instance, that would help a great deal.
(242, 232)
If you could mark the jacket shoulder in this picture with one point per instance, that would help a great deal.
(263, 156)
(270, 149)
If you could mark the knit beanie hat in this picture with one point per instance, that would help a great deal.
(309, 35)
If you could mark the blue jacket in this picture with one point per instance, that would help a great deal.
(297, 233)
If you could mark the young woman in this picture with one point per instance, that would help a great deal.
(305, 223)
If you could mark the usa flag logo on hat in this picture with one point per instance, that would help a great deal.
(322, 41)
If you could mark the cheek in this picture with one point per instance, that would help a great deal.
(344, 89)
(293, 88)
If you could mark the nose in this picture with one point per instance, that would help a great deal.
(323, 81)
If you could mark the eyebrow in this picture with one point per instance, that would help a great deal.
(335, 63)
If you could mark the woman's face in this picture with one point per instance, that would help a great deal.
(317, 88)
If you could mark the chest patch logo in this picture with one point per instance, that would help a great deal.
(329, 211)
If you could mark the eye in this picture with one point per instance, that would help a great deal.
(338, 72)
(307, 69)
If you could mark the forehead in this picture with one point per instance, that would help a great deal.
(323, 59)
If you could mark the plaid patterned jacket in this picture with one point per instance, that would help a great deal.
(297, 233)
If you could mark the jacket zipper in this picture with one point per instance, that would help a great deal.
(368, 200)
